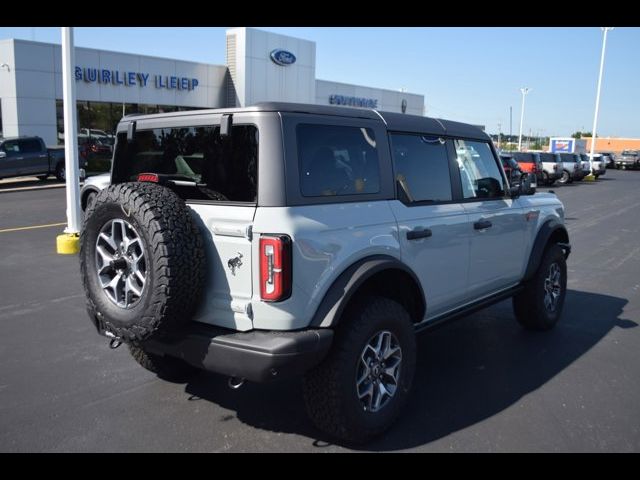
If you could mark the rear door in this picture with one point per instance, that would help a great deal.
(35, 157)
(432, 226)
(496, 222)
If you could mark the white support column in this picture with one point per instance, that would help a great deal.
(595, 116)
(70, 133)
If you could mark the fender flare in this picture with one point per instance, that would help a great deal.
(546, 231)
(84, 194)
(349, 281)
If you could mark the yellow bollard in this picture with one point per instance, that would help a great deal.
(68, 243)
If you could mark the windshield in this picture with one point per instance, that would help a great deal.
(630, 152)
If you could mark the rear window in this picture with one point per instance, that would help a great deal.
(549, 157)
(337, 160)
(197, 161)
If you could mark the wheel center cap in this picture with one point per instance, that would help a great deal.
(119, 263)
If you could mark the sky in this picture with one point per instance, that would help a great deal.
(468, 74)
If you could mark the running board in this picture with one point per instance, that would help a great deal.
(468, 309)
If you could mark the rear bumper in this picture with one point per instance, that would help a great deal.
(256, 355)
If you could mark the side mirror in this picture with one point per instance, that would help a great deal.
(526, 187)
(514, 192)
(3, 154)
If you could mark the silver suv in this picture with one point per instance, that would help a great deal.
(284, 239)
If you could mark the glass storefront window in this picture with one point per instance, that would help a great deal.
(104, 116)
(97, 123)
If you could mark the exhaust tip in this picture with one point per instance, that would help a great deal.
(235, 382)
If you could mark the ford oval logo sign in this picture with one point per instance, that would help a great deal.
(282, 57)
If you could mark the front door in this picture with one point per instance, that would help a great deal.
(496, 222)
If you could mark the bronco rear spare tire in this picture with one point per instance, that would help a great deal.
(142, 261)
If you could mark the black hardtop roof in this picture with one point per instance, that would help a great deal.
(394, 121)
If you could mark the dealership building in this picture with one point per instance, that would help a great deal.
(260, 66)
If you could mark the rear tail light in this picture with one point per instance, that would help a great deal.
(148, 177)
(275, 267)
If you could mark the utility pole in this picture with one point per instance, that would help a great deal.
(524, 91)
(510, 124)
(499, 134)
(595, 116)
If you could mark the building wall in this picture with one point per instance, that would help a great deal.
(616, 145)
(258, 79)
(35, 82)
(387, 100)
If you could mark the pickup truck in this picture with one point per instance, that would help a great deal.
(29, 156)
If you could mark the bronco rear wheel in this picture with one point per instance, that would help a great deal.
(141, 260)
(359, 390)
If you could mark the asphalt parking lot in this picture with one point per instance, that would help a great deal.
(482, 383)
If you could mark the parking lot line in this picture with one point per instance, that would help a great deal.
(5, 230)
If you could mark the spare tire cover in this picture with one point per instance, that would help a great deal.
(142, 261)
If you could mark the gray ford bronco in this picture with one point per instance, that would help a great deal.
(283, 239)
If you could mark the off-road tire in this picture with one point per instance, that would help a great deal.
(529, 306)
(168, 368)
(90, 199)
(330, 388)
(175, 262)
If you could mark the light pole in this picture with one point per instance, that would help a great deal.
(595, 116)
(524, 91)
(499, 134)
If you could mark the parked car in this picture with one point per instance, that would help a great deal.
(101, 135)
(531, 164)
(551, 167)
(92, 186)
(610, 159)
(29, 156)
(598, 164)
(511, 168)
(324, 258)
(628, 160)
(573, 161)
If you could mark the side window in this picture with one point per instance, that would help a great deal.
(421, 166)
(11, 147)
(337, 160)
(479, 171)
(29, 146)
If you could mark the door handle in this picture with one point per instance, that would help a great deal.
(418, 233)
(482, 224)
